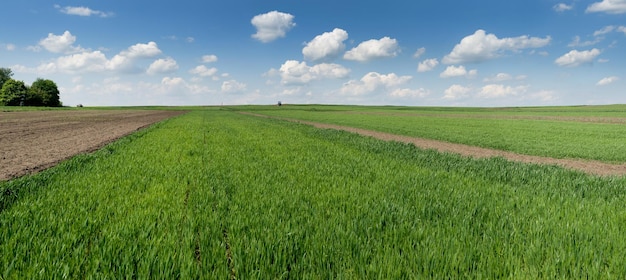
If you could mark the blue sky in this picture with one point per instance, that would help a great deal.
(419, 53)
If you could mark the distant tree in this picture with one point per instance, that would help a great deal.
(13, 93)
(5, 75)
(44, 93)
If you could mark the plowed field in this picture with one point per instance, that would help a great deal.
(35, 140)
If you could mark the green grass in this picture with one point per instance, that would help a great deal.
(521, 130)
(292, 201)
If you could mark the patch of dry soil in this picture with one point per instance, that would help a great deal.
(33, 141)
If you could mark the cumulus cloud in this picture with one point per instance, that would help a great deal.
(372, 49)
(607, 80)
(125, 60)
(232, 86)
(455, 92)
(87, 61)
(373, 82)
(454, 71)
(60, 43)
(498, 91)
(576, 58)
(209, 58)
(161, 66)
(481, 47)
(271, 26)
(608, 6)
(326, 46)
(419, 52)
(500, 77)
(83, 11)
(294, 72)
(427, 65)
(562, 7)
(409, 93)
(203, 71)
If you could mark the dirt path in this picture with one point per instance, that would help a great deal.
(589, 166)
(33, 141)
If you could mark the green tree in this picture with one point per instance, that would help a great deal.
(13, 93)
(5, 75)
(44, 93)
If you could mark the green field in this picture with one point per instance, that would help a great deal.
(216, 194)
(585, 132)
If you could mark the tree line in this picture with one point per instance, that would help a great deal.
(15, 93)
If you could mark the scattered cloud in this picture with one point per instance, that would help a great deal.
(190, 39)
(576, 58)
(209, 58)
(233, 86)
(373, 49)
(9, 47)
(419, 52)
(326, 46)
(455, 92)
(203, 71)
(454, 71)
(409, 93)
(499, 91)
(577, 43)
(500, 77)
(481, 47)
(607, 80)
(622, 29)
(427, 65)
(373, 82)
(83, 11)
(608, 6)
(271, 26)
(294, 72)
(161, 66)
(59, 43)
(562, 7)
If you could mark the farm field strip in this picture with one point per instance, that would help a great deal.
(218, 194)
(538, 137)
(34, 140)
(587, 166)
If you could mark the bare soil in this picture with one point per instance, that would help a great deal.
(588, 166)
(36, 140)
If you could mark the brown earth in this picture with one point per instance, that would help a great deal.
(35, 140)
(588, 166)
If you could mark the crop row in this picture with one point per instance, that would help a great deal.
(217, 194)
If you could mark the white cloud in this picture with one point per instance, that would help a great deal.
(622, 29)
(209, 58)
(373, 82)
(161, 66)
(419, 52)
(575, 58)
(481, 46)
(562, 7)
(408, 93)
(60, 43)
(454, 71)
(83, 11)
(608, 6)
(498, 91)
(455, 92)
(607, 80)
(294, 72)
(577, 43)
(427, 65)
(87, 61)
(372, 49)
(271, 26)
(142, 50)
(326, 46)
(604, 30)
(190, 39)
(500, 77)
(232, 86)
(9, 47)
(203, 71)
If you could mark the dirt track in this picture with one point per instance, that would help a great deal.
(587, 166)
(33, 141)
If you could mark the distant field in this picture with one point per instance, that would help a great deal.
(585, 132)
(217, 194)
